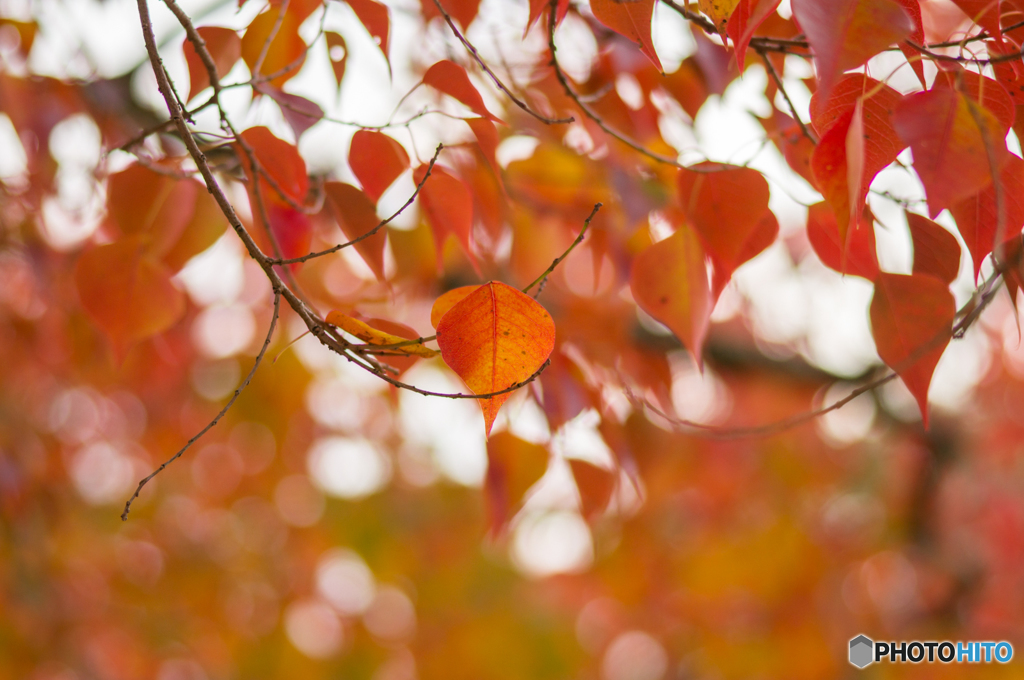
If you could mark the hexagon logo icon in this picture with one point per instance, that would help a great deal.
(861, 651)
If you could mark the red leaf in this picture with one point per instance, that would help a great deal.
(451, 79)
(844, 34)
(538, 7)
(287, 50)
(745, 18)
(976, 215)
(338, 57)
(493, 339)
(449, 207)
(487, 138)
(292, 229)
(224, 46)
(376, 160)
(796, 148)
(871, 142)
(936, 251)
(356, 216)
(942, 128)
(727, 210)
(463, 11)
(913, 10)
(983, 90)
(278, 159)
(669, 281)
(127, 293)
(630, 19)
(146, 203)
(823, 233)
(595, 485)
(911, 321)
(376, 18)
(513, 466)
(299, 112)
(985, 13)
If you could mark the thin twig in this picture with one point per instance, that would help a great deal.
(501, 86)
(563, 79)
(265, 49)
(785, 95)
(579, 238)
(334, 249)
(216, 419)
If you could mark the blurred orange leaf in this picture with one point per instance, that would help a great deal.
(376, 160)
(224, 46)
(451, 79)
(632, 20)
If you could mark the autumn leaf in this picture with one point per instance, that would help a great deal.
(976, 216)
(495, 338)
(286, 52)
(983, 90)
(146, 203)
(718, 11)
(337, 52)
(278, 159)
(449, 78)
(448, 300)
(595, 486)
(911, 322)
(539, 7)
(744, 20)
(846, 33)
(952, 140)
(127, 293)
(449, 207)
(827, 242)
(463, 11)
(376, 160)
(632, 20)
(913, 10)
(357, 216)
(300, 113)
(669, 281)
(376, 19)
(374, 336)
(513, 467)
(224, 46)
(790, 139)
(936, 251)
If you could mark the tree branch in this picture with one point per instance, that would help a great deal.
(216, 419)
(540, 280)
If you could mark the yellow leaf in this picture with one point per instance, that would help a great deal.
(371, 335)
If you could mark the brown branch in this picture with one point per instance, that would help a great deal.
(540, 280)
(966, 316)
(587, 110)
(334, 249)
(216, 419)
(785, 95)
(501, 86)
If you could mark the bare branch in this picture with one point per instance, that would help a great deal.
(216, 419)
(785, 95)
(501, 86)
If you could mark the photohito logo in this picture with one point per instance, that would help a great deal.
(865, 651)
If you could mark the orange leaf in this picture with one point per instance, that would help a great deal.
(487, 138)
(632, 20)
(493, 339)
(513, 466)
(463, 11)
(451, 79)
(951, 150)
(718, 11)
(287, 50)
(376, 18)
(356, 215)
(337, 52)
(985, 91)
(936, 251)
(846, 33)
(670, 282)
(911, 320)
(726, 209)
(449, 207)
(146, 203)
(447, 301)
(204, 228)
(792, 142)
(595, 485)
(224, 46)
(823, 233)
(744, 20)
(278, 159)
(127, 293)
(376, 160)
